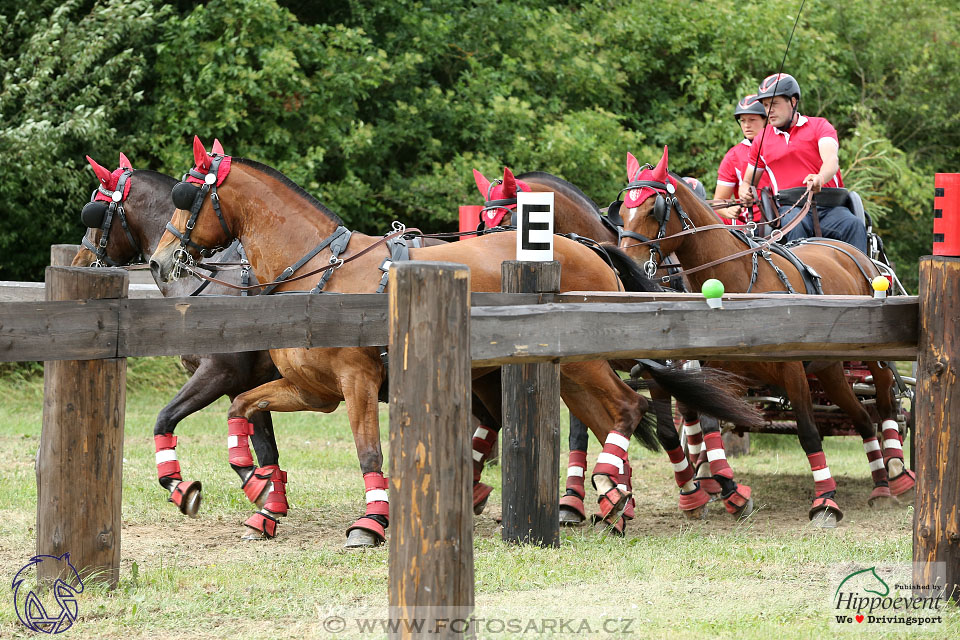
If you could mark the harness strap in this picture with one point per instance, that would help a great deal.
(399, 251)
(289, 271)
(834, 247)
(337, 246)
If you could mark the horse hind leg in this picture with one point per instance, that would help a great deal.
(837, 388)
(486, 406)
(693, 497)
(902, 480)
(736, 497)
(572, 511)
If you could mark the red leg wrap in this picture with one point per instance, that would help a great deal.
(167, 464)
(258, 482)
(682, 471)
(737, 500)
(481, 492)
(264, 523)
(483, 440)
(875, 459)
(694, 439)
(237, 431)
(610, 460)
(574, 503)
(716, 455)
(376, 485)
(822, 480)
(882, 491)
(277, 498)
(626, 479)
(181, 490)
(371, 525)
(612, 503)
(892, 444)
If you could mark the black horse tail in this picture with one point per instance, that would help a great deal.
(632, 276)
(710, 391)
(646, 431)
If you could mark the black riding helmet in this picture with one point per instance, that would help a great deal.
(779, 84)
(749, 104)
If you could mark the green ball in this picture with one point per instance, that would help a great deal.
(712, 288)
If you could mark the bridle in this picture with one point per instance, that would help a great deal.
(186, 196)
(107, 214)
(666, 201)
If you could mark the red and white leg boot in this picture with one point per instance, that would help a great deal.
(901, 479)
(693, 499)
(630, 511)
(880, 496)
(264, 522)
(186, 495)
(370, 530)
(483, 440)
(703, 469)
(736, 497)
(606, 477)
(824, 512)
(572, 511)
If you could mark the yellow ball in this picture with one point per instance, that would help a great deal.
(880, 283)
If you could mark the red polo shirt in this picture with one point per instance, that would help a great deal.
(731, 171)
(792, 156)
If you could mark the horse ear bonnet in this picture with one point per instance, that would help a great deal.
(183, 194)
(92, 214)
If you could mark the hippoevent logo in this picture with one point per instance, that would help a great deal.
(56, 611)
(885, 598)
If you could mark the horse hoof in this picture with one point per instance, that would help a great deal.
(253, 535)
(745, 511)
(697, 513)
(603, 529)
(191, 502)
(481, 493)
(361, 539)
(570, 518)
(883, 502)
(824, 519)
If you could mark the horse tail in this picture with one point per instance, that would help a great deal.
(710, 391)
(631, 275)
(646, 432)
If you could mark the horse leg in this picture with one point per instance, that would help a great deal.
(612, 411)
(278, 395)
(697, 453)
(266, 484)
(208, 382)
(824, 512)
(693, 498)
(902, 480)
(572, 511)
(486, 407)
(837, 388)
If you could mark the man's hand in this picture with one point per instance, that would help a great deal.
(814, 182)
(746, 193)
(730, 213)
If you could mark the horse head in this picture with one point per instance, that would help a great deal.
(192, 233)
(654, 209)
(103, 213)
(500, 198)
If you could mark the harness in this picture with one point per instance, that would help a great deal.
(209, 185)
(662, 207)
(114, 208)
(399, 251)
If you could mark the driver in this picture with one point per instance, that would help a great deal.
(752, 117)
(801, 151)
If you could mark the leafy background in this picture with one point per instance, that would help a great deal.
(382, 109)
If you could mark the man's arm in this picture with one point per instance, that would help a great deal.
(828, 148)
(748, 175)
(725, 192)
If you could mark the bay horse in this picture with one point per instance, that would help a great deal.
(120, 236)
(283, 228)
(132, 229)
(652, 195)
(576, 213)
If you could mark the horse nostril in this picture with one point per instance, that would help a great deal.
(155, 267)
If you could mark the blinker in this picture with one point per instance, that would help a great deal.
(183, 194)
(92, 214)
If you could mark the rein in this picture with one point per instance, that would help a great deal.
(335, 264)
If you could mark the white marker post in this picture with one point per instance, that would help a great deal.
(535, 226)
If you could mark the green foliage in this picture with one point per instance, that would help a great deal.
(382, 109)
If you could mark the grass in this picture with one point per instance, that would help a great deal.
(767, 576)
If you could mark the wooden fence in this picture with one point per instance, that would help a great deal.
(538, 327)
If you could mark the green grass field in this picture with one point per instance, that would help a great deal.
(769, 576)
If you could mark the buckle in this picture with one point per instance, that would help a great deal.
(776, 235)
(650, 268)
(385, 265)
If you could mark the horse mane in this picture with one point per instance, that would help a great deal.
(568, 188)
(154, 175)
(293, 186)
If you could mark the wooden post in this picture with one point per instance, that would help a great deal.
(936, 520)
(79, 471)
(530, 452)
(431, 501)
(61, 255)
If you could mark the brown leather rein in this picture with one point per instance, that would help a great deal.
(335, 265)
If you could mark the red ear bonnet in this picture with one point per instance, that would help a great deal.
(203, 161)
(634, 197)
